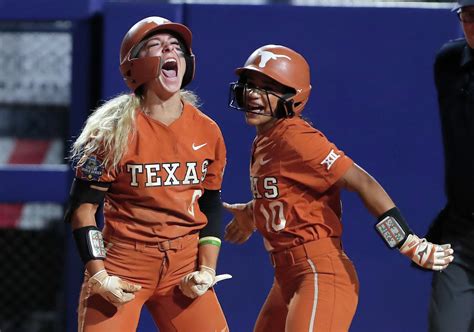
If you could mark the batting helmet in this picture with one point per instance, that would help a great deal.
(137, 71)
(285, 66)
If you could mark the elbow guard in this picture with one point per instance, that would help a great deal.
(393, 228)
(211, 205)
(84, 192)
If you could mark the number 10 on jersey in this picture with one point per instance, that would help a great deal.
(274, 216)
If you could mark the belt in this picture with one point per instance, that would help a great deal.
(165, 245)
(314, 248)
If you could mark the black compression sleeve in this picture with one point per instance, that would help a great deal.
(210, 204)
(83, 191)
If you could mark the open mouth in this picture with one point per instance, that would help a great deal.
(170, 68)
(254, 108)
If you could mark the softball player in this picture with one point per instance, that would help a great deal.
(157, 164)
(296, 178)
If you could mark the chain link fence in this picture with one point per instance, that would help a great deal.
(35, 67)
(31, 274)
(35, 88)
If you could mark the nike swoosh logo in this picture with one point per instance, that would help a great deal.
(263, 162)
(197, 147)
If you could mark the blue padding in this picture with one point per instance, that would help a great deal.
(36, 10)
(34, 183)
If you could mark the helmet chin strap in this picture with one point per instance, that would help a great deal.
(155, 85)
(284, 107)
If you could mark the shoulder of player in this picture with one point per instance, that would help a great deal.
(199, 116)
(300, 135)
(300, 127)
(451, 51)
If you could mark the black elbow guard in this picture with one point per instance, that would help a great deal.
(84, 192)
(393, 228)
(211, 205)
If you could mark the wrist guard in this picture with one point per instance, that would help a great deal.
(90, 243)
(393, 228)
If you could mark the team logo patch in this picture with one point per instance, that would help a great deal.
(330, 159)
(92, 169)
(157, 20)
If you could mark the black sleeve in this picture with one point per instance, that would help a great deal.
(447, 62)
(84, 192)
(210, 204)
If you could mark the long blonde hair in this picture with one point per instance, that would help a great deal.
(108, 129)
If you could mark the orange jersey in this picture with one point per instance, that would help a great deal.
(155, 191)
(292, 172)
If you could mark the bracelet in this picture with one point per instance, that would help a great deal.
(215, 241)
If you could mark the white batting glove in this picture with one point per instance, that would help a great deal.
(112, 288)
(242, 225)
(426, 254)
(197, 283)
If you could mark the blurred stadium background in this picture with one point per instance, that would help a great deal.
(373, 94)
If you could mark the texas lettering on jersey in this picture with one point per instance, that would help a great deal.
(164, 174)
(266, 188)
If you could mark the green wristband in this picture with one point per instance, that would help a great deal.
(210, 240)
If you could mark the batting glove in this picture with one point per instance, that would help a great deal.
(242, 225)
(426, 254)
(197, 283)
(112, 288)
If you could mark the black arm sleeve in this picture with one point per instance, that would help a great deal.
(210, 204)
(84, 192)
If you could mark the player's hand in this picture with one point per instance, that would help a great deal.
(242, 225)
(197, 283)
(112, 288)
(426, 254)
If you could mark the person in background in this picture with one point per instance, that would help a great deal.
(156, 162)
(296, 177)
(452, 296)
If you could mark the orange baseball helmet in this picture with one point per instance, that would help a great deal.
(285, 66)
(137, 71)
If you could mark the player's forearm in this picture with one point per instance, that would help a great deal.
(84, 216)
(95, 266)
(249, 220)
(369, 190)
(375, 198)
(208, 255)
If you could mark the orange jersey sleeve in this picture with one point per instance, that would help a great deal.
(215, 170)
(93, 170)
(311, 159)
